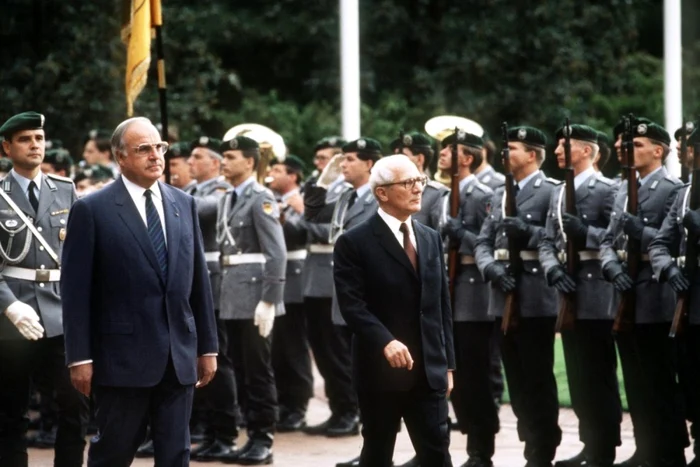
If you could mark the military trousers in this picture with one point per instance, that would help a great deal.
(591, 371)
(291, 360)
(22, 361)
(528, 360)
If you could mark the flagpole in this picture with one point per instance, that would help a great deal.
(157, 21)
(673, 76)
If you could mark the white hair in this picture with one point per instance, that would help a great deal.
(385, 169)
(117, 141)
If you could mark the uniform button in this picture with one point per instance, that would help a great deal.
(42, 267)
(226, 242)
(646, 220)
(240, 223)
(504, 234)
(529, 216)
(585, 217)
(678, 219)
(225, 271)
(590, 276)
(41, 248)
(41, 284)
(39, 229)
(612, 213)
(297, 271)
(331, 263)
(62, 221)
(471, 280)
(253, 279)
(534, 270)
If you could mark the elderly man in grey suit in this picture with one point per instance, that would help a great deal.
(254, 260)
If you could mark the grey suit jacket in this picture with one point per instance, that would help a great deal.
(56, 196)
(432, 208)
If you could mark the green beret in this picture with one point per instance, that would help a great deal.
(292, 162)
(462, 137)
(415, 141)
(653, 131)
(53, 144)
(179, 149)
(620, 125)
(527, 135)
(5, 164)
(241, 143)
(693, 139)
(21, 122)
(366, 148)
(329, 142)
(99, 134)
(59, 158)
(603, 139)
(98, 173)
(689, 128)
(212, 144)
(580, 133)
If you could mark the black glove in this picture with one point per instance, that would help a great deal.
(517, 228)
(632, 225)
(676, 279)
(469, 239)
(498, 274)
(691, 221)
(614, 273)
(560, 280)
(574, 227)
(453, 228)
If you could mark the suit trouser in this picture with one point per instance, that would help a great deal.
(255, 354)
(291, 360)
(331, 345)
(473, 396)
(425, 413)
(528, 360)
(124, 412)
(591, 371)
(497, 382)
(649, 368)
(20, 361)
(689, 378)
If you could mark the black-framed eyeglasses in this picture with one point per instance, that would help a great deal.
(410, 183)
(146, 148)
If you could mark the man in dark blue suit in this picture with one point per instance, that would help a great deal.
(137, 306)
(392, 290)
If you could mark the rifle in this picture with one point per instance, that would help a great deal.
(691, 242)
(453, 253)
(567, 313)
(626, 310)
(510, 311)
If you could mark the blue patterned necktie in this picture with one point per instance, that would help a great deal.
(155, 233)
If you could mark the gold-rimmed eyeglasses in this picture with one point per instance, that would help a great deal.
(410, 183)
(146, 148)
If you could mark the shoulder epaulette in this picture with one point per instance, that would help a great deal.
(499, 176)
(673, 179)
(605, 180)
(60, 178)
(482, 187)
(437, 185)
(554, 181)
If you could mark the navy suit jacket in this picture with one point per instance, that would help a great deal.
(382, 298)
(118, 309)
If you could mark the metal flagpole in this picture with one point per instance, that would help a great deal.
(350, 68)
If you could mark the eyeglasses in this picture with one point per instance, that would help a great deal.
(410, 183)
(146, 148)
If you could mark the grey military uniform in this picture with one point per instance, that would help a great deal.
(534, 296)
(594, 202)
(471, 292)
(295, 234)
(655, 302)
(22, 250)
(207, 196)
(491, 178)
(432, 205)
(250, 229)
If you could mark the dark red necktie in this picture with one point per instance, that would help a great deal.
(408, 246)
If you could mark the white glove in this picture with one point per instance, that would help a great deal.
(264, 318)
(331, 172)
(25, 319)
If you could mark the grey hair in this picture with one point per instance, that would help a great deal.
(385, 169)
(117, 141)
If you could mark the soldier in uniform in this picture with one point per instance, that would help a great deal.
(589, 349)
(324, 151)
(472, 397)
(669, 242)
(31, 330)
(177, 156)
(603, 156)
(485, 172)
(646, 353)
(254, 260)
(57, 162)
(5, 166)
(97, 151)
(418, 148)
(528, 350)
(291, 359)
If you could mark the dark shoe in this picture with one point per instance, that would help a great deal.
(217, 450)
(351, 463)
(347, 425)
(538, 464)
(694, 463)
(44, 439)
(145, 450)
(633, 461)
(293, 421)
(476, 461)
(321, 428)
(577, 461)
(206, 444)
(413, 462)
(256, 454)
(453, 424)
(198, 433)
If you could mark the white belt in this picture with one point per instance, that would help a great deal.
(295, 255)
(526, 255)
(212, 256)
(622, 256)
(681, 261)
(583, 255)
(467, 259)
(245, 258)
(320, 248)
(36, 275)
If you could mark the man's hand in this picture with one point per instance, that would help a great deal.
(517, 228)
(296, 202)
(450, 383)
(573, 226)
(25, 320)
(81, 378)
(678, 282)
(453, 228)
(558, 278)
(496, 273)
(691, 221)
(614, 273)
(206, 369)
(632, 225)
(331, 172)
(264, 317)
(398, 355)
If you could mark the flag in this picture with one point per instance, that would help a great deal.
(139, 17)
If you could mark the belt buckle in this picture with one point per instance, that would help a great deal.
(42, 275)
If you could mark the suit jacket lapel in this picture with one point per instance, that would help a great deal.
(582, 192)
(20, 198)
(423, 253)
(388, 241)
(172, 228)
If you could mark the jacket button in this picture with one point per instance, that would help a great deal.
(471, 280)
(42, 267)
(253, 279)
(590, 276)
(297, 271)
(41, 248)
(62, 221)
(41, 284)
(534, 270)
(39, 228)
(529, 216)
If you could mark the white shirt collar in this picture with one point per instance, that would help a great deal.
(523, 183)
(24, 181)
(362, 191)
(395, 226)
(136, 192)
(465, 181)
(642, 181)
(241, 188)
(583, 176)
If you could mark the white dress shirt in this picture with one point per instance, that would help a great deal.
(395, 226)
(138, 195)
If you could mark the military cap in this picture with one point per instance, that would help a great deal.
(689, 128)
(603, 139)
(527, 135)
(693, 139)
(329, 142)
(98, 173)
(212, 144)
(651, 130)
(366, 148)
(241, 143)
(462, 137)
(292, 162)
(53, 144)
(99, 134)
(58, 157)
(5, 164)
(580, 133)
(21, 122)
(620, 125)
(415, 141)
(178, 149)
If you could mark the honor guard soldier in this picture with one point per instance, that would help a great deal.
(5, 166)
(215, 404)
(177, 156)
(472, 397)
(485, 172)
(671, 241)
(291, 358)
(254, 260)
(647, 355)
(528, 349)
(603, 156)
(589, 349)
(324, 151)
(32, 231)
(418, 148)
(57, 162)
(97, 150)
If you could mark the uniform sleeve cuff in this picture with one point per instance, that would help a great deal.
(82, 362)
